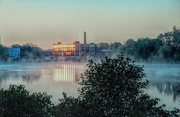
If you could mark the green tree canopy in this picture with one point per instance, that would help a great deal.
(166, 52)
(29, 51)
(3, 53)
(114, 88)
(18, 102)
(146, 48)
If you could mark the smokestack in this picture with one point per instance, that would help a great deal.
(84, 37)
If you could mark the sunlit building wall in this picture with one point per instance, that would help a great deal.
(72, 49)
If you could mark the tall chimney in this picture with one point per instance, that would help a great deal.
(84, 37)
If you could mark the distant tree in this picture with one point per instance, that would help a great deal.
(103, 46)
(177, 58)
(176, 36)
(30, 44)
(31, 51)
(115, 45)
(172, 37)
(146, 48)
(16, 46)
(166, 52)
(130, 42)
(129, 46)
(3, 53)
(114, 48)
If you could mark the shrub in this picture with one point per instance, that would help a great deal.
(114, 88)
(17, 102)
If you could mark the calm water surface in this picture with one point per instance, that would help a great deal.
(56, 78)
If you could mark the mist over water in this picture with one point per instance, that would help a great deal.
(164, 83)
(53, 78)
(56, 78)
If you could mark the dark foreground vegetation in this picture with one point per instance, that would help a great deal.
(111, 88)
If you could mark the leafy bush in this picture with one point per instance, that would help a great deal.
(71, 107)
(114, 88)
(17, 102)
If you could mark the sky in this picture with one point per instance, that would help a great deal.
(44, 22)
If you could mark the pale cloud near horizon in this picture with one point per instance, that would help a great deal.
(51, 21)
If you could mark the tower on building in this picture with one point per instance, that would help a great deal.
(84, 37)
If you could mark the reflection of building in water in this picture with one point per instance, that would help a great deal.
(65, 73)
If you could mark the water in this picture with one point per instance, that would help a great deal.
(51, 78)
(56, 78)
(164, 83)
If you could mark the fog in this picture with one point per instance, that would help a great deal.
(58, 77)
(53, 78)
(164, 83)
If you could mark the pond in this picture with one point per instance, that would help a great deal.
(56, 78)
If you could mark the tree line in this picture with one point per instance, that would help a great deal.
(164, 48)
(27, 51)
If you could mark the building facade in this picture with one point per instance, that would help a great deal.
(65, 51)
(14, 53)
(79, 50)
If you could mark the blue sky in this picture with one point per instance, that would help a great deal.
(44, 22)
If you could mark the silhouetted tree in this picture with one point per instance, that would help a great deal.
(115, 48)
(18, 102)
(114, 88)
(29, 51)
(3, 53)
(166, 52)
(146, 48)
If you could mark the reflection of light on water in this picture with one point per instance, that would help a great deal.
(65, 73)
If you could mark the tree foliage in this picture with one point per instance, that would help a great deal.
(114, 88)
(3, 53)
(18, 102)
(166, 52)
(152, 50)
(29, 51)
(114, 48)
(146, 48)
